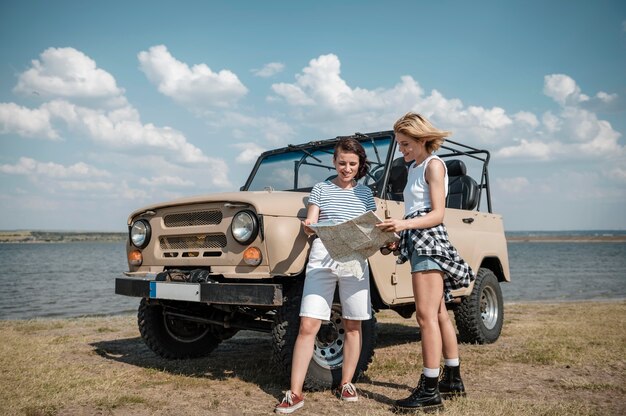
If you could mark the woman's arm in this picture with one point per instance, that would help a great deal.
(312, 216)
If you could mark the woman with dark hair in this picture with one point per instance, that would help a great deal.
(339, 199)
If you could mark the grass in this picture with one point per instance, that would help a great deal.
(551, 359)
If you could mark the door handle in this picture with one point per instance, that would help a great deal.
(468, 220)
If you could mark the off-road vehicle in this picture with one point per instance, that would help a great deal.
(209, 266)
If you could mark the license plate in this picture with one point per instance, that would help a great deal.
(175, 291)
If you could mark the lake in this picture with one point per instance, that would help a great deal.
(77, 279)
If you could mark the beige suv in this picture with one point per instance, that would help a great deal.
(209, 266)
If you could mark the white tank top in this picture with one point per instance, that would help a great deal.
(417, 192)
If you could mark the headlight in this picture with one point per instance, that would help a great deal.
(140, 233)
(245, 227)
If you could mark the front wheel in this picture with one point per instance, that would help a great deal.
(480, 315)
(327, 362)
(174, 337)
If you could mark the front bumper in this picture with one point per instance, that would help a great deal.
(245, 294)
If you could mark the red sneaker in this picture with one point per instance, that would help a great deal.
(291, 402)
(348, 393)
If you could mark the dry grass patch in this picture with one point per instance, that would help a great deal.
(552, 359)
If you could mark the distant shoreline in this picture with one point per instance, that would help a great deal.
(82, 236)
(567, 239)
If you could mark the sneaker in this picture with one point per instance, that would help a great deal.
(348, 393)
(291, 402)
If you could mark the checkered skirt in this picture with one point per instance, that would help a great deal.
(434, 243)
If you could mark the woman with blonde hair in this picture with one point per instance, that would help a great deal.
(436, 267)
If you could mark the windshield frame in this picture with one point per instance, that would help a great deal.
(381, 142)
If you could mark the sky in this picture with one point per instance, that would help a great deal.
(106, 107)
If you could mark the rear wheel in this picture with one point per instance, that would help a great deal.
(175, 337)
(480, 315)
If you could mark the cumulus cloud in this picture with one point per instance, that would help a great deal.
(166, 180)
(513, 185)
(119, 128)
(525, 117)
(70, 74)
(563, 89)
(249, 152)
(197, 88)
(321, 97)
(527, 149)
(269, 70)
(32, 167)
(574, 132)
(15, 119)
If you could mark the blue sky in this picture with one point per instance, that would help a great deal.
(109, 106)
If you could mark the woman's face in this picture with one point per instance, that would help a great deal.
(347, 165)
(409, 147)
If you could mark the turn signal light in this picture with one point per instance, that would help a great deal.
(135, 258)
(252, 256)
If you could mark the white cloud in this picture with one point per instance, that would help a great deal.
(32, 167)
(515, 185)
(606, 98)
(319, 97)
(70, 74)
(249, 152)
(494, 118)
(166, 180)
(197, 88)
(25, 122)
(77, 186)
(269, 70)
(527, 149)
(563, 89)
(525, 117)
(119, 128)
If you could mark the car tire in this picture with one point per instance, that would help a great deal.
(173, 337)
(325, 367)
(480, 315)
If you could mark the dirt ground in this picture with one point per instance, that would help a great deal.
(551, 359)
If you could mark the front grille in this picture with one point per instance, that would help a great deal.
(193, 241)
(189, 219)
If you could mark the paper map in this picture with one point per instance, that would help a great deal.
(355, 239)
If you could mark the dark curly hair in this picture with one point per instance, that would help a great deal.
(350, 145)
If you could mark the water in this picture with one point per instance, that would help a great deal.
(62, 280)
(78, 279)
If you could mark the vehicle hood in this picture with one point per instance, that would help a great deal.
(275, 203)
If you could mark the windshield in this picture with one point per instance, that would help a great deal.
(300, 169)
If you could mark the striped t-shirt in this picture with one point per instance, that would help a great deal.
(338, 205)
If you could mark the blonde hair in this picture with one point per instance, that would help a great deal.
(419, 128)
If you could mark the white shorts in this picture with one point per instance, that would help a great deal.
(322, 276)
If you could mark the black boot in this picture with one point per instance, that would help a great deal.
(425, 397)
(451, 385)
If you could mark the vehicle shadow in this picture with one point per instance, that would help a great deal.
(246, 356)
(396, 334)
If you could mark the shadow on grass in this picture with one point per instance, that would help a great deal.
(396, 334)
(246, 356)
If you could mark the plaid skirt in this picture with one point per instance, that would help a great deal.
(434, 243)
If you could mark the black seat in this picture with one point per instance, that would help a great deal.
(462, 189)
(397, 179)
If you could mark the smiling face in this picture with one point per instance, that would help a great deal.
(410, 148)
(347, 166)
